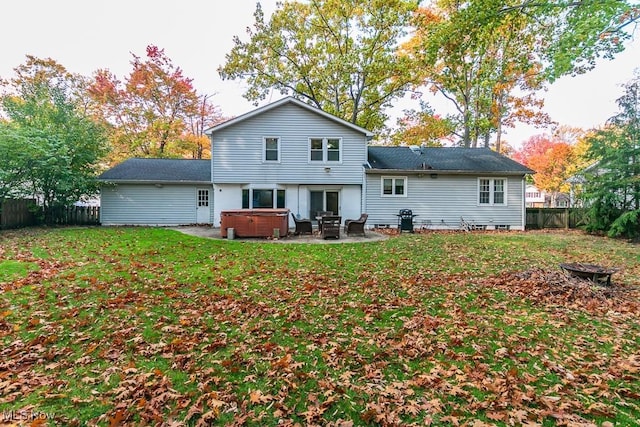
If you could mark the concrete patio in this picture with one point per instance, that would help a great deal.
(214, 233)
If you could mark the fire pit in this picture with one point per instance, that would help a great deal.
(593, 272)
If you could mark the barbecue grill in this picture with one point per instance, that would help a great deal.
(405, 220)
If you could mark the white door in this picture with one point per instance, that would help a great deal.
(203, 212)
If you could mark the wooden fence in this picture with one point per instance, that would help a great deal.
(76, 215)
(15, 213)
(18, 213)
(539, 218)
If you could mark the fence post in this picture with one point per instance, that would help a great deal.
(540, 219)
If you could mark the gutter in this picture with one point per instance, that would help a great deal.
(149, 181)
(441, 171)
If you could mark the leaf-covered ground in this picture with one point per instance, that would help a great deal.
(140, 326)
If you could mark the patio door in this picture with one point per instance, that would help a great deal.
(203, 212)
(323, 200)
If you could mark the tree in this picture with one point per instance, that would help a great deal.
(489, 57)
(612, 188)
(51, 144)
(422, 127)
(478, 69)
(338, 55)
(156, 112)
(551, 160)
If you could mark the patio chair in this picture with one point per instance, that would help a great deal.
(331, 226)
(302, 225)
(355, 226)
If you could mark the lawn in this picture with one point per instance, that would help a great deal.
(144, 326)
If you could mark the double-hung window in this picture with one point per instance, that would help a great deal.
(325, 150)
(394, 186)
(492, 191)
(271, 149)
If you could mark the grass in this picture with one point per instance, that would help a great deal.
(130, 326)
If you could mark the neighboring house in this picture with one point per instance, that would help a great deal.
(444, 185)
(534, 198)
(289, 154)
(156, 192)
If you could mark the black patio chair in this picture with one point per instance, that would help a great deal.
(303, 225)
(355, 226)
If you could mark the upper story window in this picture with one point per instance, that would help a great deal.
(271, 149)
(492, 191)
(325, 150)
(394, 186)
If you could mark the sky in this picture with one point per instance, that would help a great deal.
(85, 36)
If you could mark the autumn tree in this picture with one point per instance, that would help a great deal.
(490, 57)
(337, 55)
(422, 127)
(612, 185)
(50, 145)
(477, 69)
(156, 111)
(552, 161)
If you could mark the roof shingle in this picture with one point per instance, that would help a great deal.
(159, 170)
(443, 159)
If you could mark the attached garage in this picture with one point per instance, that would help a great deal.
(157, 192)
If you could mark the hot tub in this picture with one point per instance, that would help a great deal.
(255, 222)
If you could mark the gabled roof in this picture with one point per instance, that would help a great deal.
(159, 170)
(443, 159)
(279, 103)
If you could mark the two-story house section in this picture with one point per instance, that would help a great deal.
(288, 154)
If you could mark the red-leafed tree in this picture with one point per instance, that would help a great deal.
(552, 160)
(155, 112)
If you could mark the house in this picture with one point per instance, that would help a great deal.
(288, 154)
(443, 186)
(156, 192)
(533, 197)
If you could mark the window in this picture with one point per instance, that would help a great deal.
(203, 198)
(394, 186)
(317, 152)
(271, 151)
(262, 198)
(325, 150)
(254, 198)
(492, 191)
(333, 150)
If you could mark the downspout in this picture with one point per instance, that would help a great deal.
(524, 202)
(363, 199)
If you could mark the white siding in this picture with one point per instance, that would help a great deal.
(441, 202)
(147, 204)
(229, 197)
(237, 150)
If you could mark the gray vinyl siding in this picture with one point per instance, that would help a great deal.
(147, 204)
(441, 202)
(237, 150)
